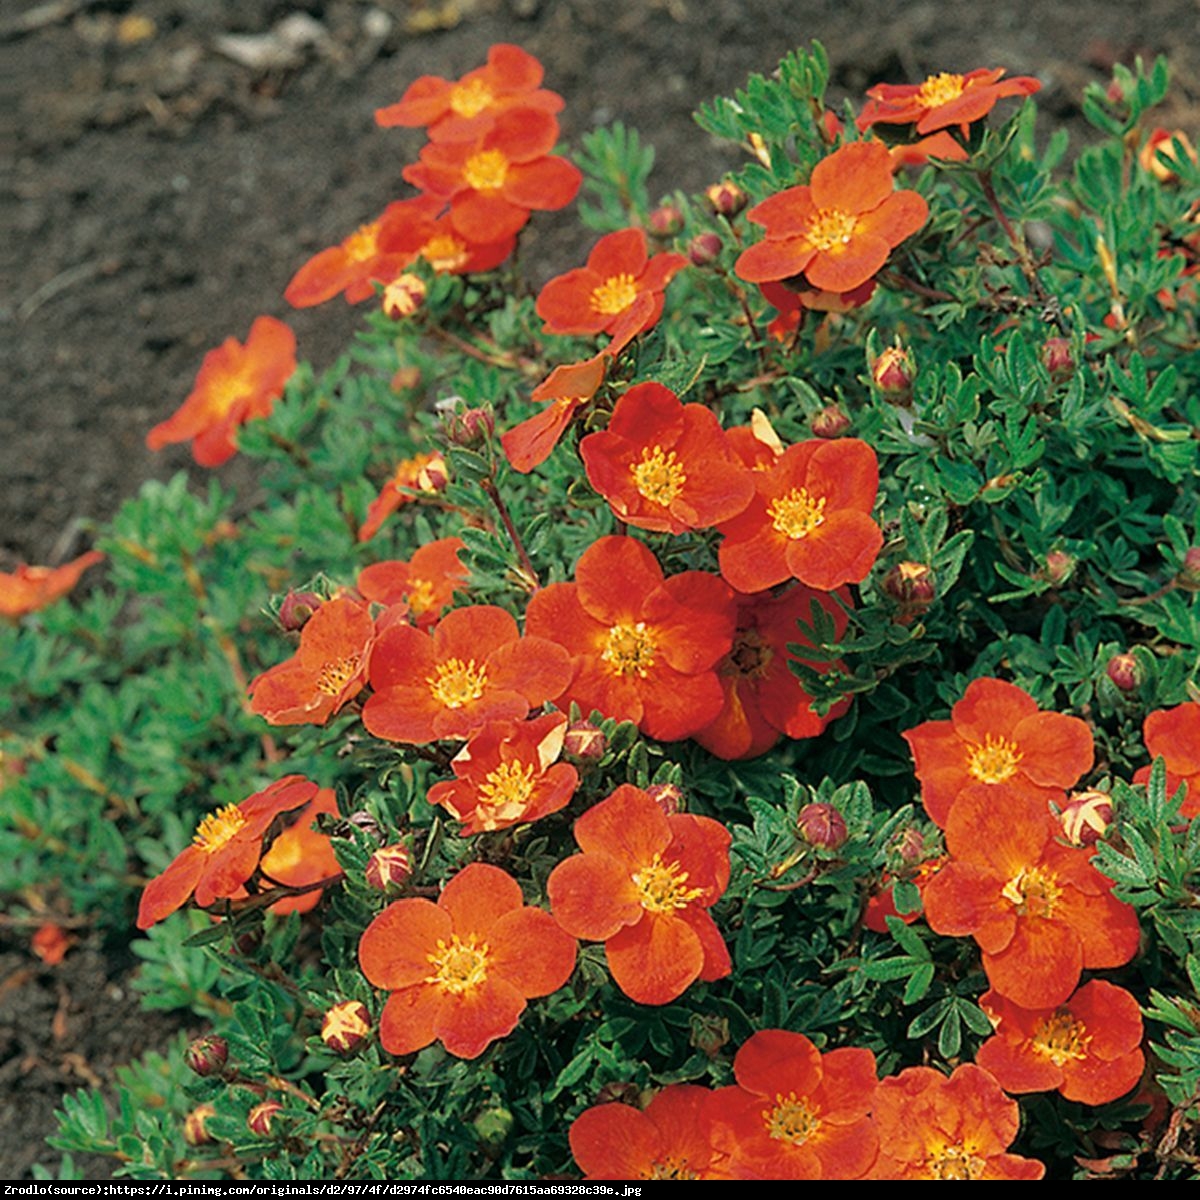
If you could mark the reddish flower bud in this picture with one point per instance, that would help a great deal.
(584, 742)
(910, 584)
(910, 847)
(389, 867)
(893, 373)
(403, 296)
(710, 1033)
(1086, 817)
(367, 823)
(346, 1026)
(665, 221)
(619, 1093)
(726, 199)
(470, 427)
(830, 422)
(668, 796)
(1058, 358)
(261, 1115)
(1124, 671)
(1058, 567)
(195, 1125)
(821, 825)
(296, 608)
(1189, 574)
(207, 1055)
(704, 249)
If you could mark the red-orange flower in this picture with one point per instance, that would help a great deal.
(29, 589)
(460, 971)
(327, 671)
(565, 389)
(475, 667)
(796, 1113)
(997, 734)
(881, 903)
(421, 473)
(643, 886)
(421, 227)
(224, 852)
(937, 145)
(1088, 1048)
(235, 384)
(644, 648)
(460, 111)
(664, 465)
(425, 584)
(931, 1127)
(1173, 734)
(810, 520)
(1039, 910)
(838, 229)
(942, 100)
(300, 856)
(791, 305)
(508, 773)
(670, 1139)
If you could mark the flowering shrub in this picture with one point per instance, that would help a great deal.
(692, 729)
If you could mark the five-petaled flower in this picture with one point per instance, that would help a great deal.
(1173, 734)
(567, 388)
(643, 885)
(460, 971)
(424, 585)
(29, 589)
(942, 100)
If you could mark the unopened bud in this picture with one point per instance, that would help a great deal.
(345, 1026)
(367, 823)
(296, 608)
(893, 373)
(619, 1093)
(1058, 357)
(403, 296)
(704, 249)
(389, 867)
(910, 847)
(261, 1115)
(710, 1033)
(470, 427)
(1086, 817)
(1189, 574)
(665, 221)
(830, 422)
(584, 742)
(195, 1125)
(1124, 671)
(821, 825)
(726, 199)
(493, 1125)
(207, 1055)
(1058, 567)
(910, 583)
(668, 796)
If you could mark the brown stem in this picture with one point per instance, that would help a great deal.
(896, 279)
(1024, 259)
(493, 492)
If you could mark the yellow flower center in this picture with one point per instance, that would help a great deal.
(831, 228)
(470, 98)
(486, 171)
(955, 1162)
(460, 966)
(630, 650)
(333, 676)
(222, 394)
(1060, 1038)
(218, 828)
(995, 761)
(940, 89)
(615, 294)
(505, 793)
(659, 477)
(456, 683)
(663, 888)
(420, 596)
(363, 243)
(444, 252)
(669, 1168)
(1034, 892)
(791, 1120)
(750, 656)
(797, 514)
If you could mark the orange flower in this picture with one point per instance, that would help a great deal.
(475, 667)
(50, 943)
(644, 648)
(1088, 1048)
(460, 971)
(421, 473)
(937, 145)
(881, 904)
(224, 852)
(456, 112)
(421, 227)
(643, 886)
(942, 100)
(564, 390)
(671, 1139)
(838, 229)
(1160, 151)
(810, 520)
(29, 589)
(1173, 735)
(236, 384)
(665, 466)
(300, 856)
(791, 305)
(796, 1113)
(327, 671)
(997, 734)
(931, 1127)
(508, 773)
(425, 585)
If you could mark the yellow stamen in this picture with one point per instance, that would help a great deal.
(831, 229)
(333, 676)
(630, 650)
(460, 966)
(797, 514)
(663, 888)
(955, 1162)
(1061, 1038)
(486, 171)
(457, 683)
(363, 243)
(659, 477)
(505, 793)
(420, 596)
(1034, 892)
(218, 828)
(995, 761)
(669, 1168)
(444, 252)
(615, 294)
(791, 1120)
(940, 89)
(470, 98)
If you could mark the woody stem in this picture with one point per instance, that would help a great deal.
(493, 494)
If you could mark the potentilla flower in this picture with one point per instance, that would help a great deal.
(493, 182)
(425, 585)
(1040, 911)
(460, 971)
(1173, 734)
(670, 1139)
(30, 589)
(592, 299)
(224, 853)
(838, 229)
(236, 384)
(643, 885)
(421, 228)
(810, 520)
(460, 111)
(796, 1113)
(881, 903)
(643, 648)
(763, 698)
(996, 734)
(508, 774)
(791, 305)
(942, 100)
(1089, 1048)
(422, 473)
(473, 668)
(1160, 151)
(301, 855)
(937, 145)
(566, 389)
(664, 465)
(934, 1127)
(327, 671)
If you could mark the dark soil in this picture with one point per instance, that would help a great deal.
(164, 193)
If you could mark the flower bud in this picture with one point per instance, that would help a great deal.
(1086, 817)
(1124, 671)
(261, 1115)
(207, 1055)
(403, 296)
(821, 825)
(584, 742)
(469, 427)
(389, 867)
(830, 422)
(618, 1093)
(406, 379)
(910, 584)
(726, 199)
(367, 823)
(1189, 574)
(1058, 567)
(704, 249)
(346, 1026)
(893, 373)
(665, 221)
(1058, 358)
(296, 608)
(710, 1033)
(668, 796)
(493, 1125)
(195, 1125)
(910, 847)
